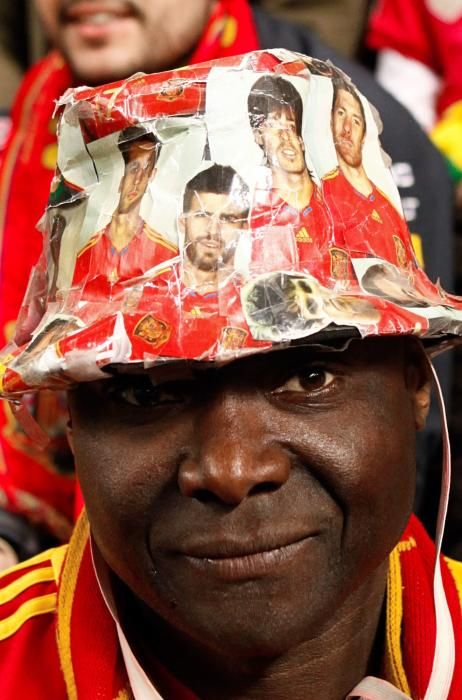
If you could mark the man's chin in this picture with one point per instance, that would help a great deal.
(207, 265)
(99, 65)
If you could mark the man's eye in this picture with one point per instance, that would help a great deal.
(310, 380)
(141, 392)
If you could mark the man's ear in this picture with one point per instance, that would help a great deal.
(258, 136)
(419, 382)
(182, 223)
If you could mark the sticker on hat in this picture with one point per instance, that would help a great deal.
(214, 211)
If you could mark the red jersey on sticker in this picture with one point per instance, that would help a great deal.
(288, 238)
(100, 268)
(360, 222)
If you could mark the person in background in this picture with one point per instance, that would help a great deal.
(419, 54)
(340, 23)
(419, 46)
(103, 40)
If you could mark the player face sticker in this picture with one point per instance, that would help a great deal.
(212, 226)
(141, 158)
(281, 306)
(282, 145)
(391, 283)
(348, 128)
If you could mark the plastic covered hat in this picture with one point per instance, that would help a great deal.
(214, 211)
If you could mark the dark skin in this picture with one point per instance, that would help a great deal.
(190, 474)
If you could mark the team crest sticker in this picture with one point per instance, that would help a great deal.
(152, 330)
(338, 263)
(400, 251)
(232, 338)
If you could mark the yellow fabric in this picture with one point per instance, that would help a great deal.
(22, 584)
(66, 598)
(455, 567)
(31, 608)
(393, 658)
(418, 248)
(447, 134)
(38, 559)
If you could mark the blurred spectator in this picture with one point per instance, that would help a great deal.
(419, 44)
(110, 39)
(13, 54)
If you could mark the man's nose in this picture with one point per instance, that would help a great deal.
(213, 226)
(347, 125)
(234, 456)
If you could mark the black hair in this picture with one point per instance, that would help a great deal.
(134, 134)
(272, 93)
(217, 179)
(53, 325)
(338, 84)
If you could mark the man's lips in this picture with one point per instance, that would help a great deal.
(97, 21)
(95, 12)
(289, 152)
(345, 142)
(210, 243)
(234, 561)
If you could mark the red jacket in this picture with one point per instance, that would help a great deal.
(48, 649)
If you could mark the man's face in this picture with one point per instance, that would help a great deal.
(395, 288)
(212, 226)
(137, 172)
(282, 145)
(106, 40)
(261, 497)
(348, 129)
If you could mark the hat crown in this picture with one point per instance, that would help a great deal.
(218, 209)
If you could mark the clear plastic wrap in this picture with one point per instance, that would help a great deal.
(213, 211)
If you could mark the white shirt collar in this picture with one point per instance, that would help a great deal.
(140, 685)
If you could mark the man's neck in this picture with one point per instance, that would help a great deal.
(325, 667)
(356, 177)
(201, 281)
(123, 227)
(294, 188)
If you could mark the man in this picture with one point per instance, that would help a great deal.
(203, 282)
(127, 246)
(248, 530)
(392, 284)
(281, 302)
(348, 189)
(215, 212)
(294, 209)
(155, 35)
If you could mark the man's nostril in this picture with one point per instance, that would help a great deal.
(205, 496)
(265, 487)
